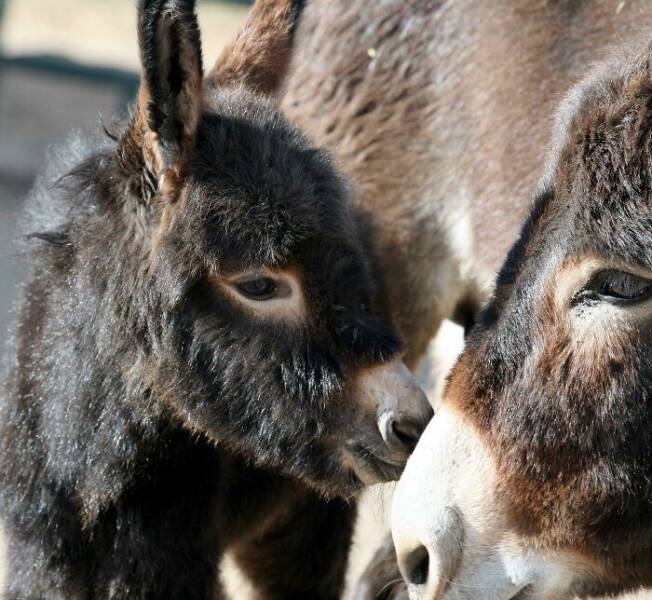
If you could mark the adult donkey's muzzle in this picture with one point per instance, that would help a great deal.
(451, 529)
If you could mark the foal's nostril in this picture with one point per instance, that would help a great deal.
(407, 434)
(415, 566)
(400, 435)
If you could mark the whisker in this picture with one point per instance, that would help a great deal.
(388, 585)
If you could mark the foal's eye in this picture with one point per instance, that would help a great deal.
(259, 288)
(266, 293)
(616, 286)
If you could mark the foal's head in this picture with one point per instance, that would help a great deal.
(221, 246)
(534, 481)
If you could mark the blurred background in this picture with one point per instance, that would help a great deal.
(66, 65)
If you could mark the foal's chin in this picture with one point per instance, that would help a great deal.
(370, 467)
(359, 465)
(358, 470)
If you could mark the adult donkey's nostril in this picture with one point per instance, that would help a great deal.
(415, 566)
(428, 547)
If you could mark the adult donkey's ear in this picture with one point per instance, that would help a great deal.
(259, 56)
(169, 108)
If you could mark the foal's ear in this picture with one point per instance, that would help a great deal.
(259, 56)
(170, 97)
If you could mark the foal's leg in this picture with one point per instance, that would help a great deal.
(135, 566)
(151, 558)
(161, 541)
(29, 575)
(47, 554)
(302, 555)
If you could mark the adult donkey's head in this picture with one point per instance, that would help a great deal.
(535, 479)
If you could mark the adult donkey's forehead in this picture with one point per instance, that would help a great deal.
(608, 213)
(600, 202)
(596, 183)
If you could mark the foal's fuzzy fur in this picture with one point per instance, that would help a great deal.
(151, 420)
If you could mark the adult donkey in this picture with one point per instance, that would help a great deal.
(533, 480)
(202, 360)
(440, 111)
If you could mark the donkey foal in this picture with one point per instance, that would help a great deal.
(201, 360)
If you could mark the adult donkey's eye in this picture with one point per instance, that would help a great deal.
(259, 288)
(617, 286)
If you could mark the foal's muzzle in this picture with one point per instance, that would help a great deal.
(401, 411)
